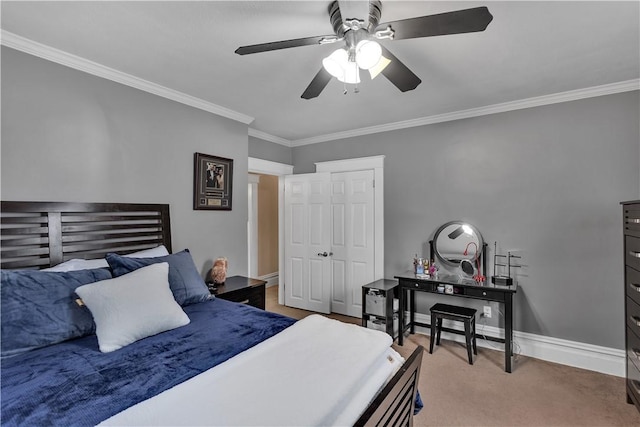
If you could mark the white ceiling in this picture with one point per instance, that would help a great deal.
(531, 49)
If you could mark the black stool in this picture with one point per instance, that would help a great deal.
(461, 314)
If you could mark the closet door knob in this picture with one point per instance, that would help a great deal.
(325, 254)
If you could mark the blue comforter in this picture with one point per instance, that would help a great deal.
(73, 383)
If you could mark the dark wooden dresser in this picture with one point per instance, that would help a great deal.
(631, 221)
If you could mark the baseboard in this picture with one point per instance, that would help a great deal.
(605, 360)
(272, 279)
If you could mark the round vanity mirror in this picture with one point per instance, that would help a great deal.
(458, 243)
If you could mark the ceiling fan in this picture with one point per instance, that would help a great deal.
(361, 50)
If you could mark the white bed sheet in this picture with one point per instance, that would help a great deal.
(380, 374)
(317, 372)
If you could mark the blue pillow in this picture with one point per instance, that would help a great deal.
(39, 308)
(185, 282)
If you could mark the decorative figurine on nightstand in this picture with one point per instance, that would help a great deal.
(219, 271)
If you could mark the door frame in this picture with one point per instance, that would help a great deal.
(366, 163)
(252, 225)
(268, 167)
(376, 163)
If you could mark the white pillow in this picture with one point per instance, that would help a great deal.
(88, 264)
(150, 253)
(133, 306)
(79, 264)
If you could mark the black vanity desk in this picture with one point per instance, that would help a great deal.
(465, 288)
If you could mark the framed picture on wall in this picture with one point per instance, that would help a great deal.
(213, 180)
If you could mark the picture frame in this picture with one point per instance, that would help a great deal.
(213, 182)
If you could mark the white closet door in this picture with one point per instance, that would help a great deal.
(307, 249)
(352, 239)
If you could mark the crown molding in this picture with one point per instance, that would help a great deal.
(573, 95)
(268, 137)
(40, 50)
(49, 53)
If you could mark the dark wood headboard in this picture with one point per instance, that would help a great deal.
(43, 234)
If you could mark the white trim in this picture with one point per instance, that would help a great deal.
(280, 170)
(268, 137)
(364, 163)
(572, 95)
(271, 279)
(49, 53)
(268, 167)
(348, 165)
(253, 182)
(606, 360)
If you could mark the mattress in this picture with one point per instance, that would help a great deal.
(317, 372)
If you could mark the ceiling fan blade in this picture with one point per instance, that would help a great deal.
(457, 22)
(398, 73)
(284, 44)
(317, 85)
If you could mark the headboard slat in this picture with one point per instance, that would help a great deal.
(42, 240)
(105, 247)
(25, 231)
(106, 227)
(25, 252)
(24, 220)
(115, 235)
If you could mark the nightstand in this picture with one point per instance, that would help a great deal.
(379, 310)
(243, 290)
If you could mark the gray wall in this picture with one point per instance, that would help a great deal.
(70, 136)
(544, 181)
(267, 150)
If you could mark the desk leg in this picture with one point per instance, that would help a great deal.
(364, 304)
(412, 310)
(401, 316)
(508, 331)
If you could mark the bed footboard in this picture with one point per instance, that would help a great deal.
(394, 404)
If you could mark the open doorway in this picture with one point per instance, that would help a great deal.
(263, 253)
(264, 263)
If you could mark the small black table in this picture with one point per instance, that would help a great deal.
(241, 289)
(387, 290)
(409, 283)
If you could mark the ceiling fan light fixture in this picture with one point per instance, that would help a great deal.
(351, 74)
(362, 52)
(336, 63)
(381, 65)
(368, 54)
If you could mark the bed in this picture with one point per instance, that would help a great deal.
(215, 368)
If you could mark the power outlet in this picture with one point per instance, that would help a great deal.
(487, 312)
